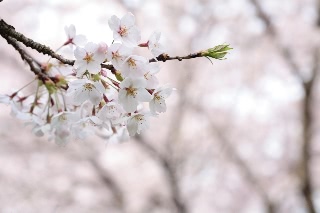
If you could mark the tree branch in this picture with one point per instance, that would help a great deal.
(169, 172)
(307, 84)
(6, 29)
(34, 66)
(110, 183)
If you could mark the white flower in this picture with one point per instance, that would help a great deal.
(137, 123)
(134, 66)
(73, 38)
(125, 30)
(61, 124)
(110, 111)
(88, 59)
(153, 44)
(63, 119)
(86, 126)
(117, 54)
(132, 91)
(158, 104)
(84, 89)
(152, 81)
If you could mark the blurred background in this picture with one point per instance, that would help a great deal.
(240, 135)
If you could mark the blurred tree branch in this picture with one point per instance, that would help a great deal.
(168, 168)
(306, 110)
(109, 182)
(243, 167)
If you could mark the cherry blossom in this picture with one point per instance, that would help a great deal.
(88, 59)
(132, 92)
(84, 89)
(73, 38)
(117, 54)
(158, 104)
(124, 29)
(137, 123)
(110, 111)
(152, 81)
(153, 44)
(105, 92)
(134, 66)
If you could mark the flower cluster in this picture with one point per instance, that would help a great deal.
(109, 90)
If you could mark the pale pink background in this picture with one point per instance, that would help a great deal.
(232, 132)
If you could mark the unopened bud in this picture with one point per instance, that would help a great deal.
(217, 52)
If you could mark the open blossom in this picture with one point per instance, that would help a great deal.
(153, 44)
(117, 54)
(150, 76)
(110, 111)
(132, 92)
(73, 38)
(137, 123)
(134, 66)
(95, 95)
(88, 59)
(158, 103)
(124, 29)
(84, 89)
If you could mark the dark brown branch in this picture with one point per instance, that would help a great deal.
(165, 57)
(34, 66)
(306, 188)
(169, 172)
(6, 29)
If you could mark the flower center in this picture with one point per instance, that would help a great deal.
(88, 86)
(132, 91)
(123, 31)
(132, 62)
(88, 58)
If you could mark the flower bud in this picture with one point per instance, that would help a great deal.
(217, 52)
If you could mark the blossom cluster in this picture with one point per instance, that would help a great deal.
(109, 90)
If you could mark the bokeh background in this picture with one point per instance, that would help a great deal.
(239, 136)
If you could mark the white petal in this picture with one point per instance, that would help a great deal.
(70, 31)
(94, 68)
(114, 23)
(132, 127)
(79, 53)
(144, 95)
(128, 20)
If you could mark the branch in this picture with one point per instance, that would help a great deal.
(306, 188)
(244, 168)
(284, 51)
(110, 183)
(34, 66)
(308, 121)
(169, 172)
(166, 57)
(6, 29)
